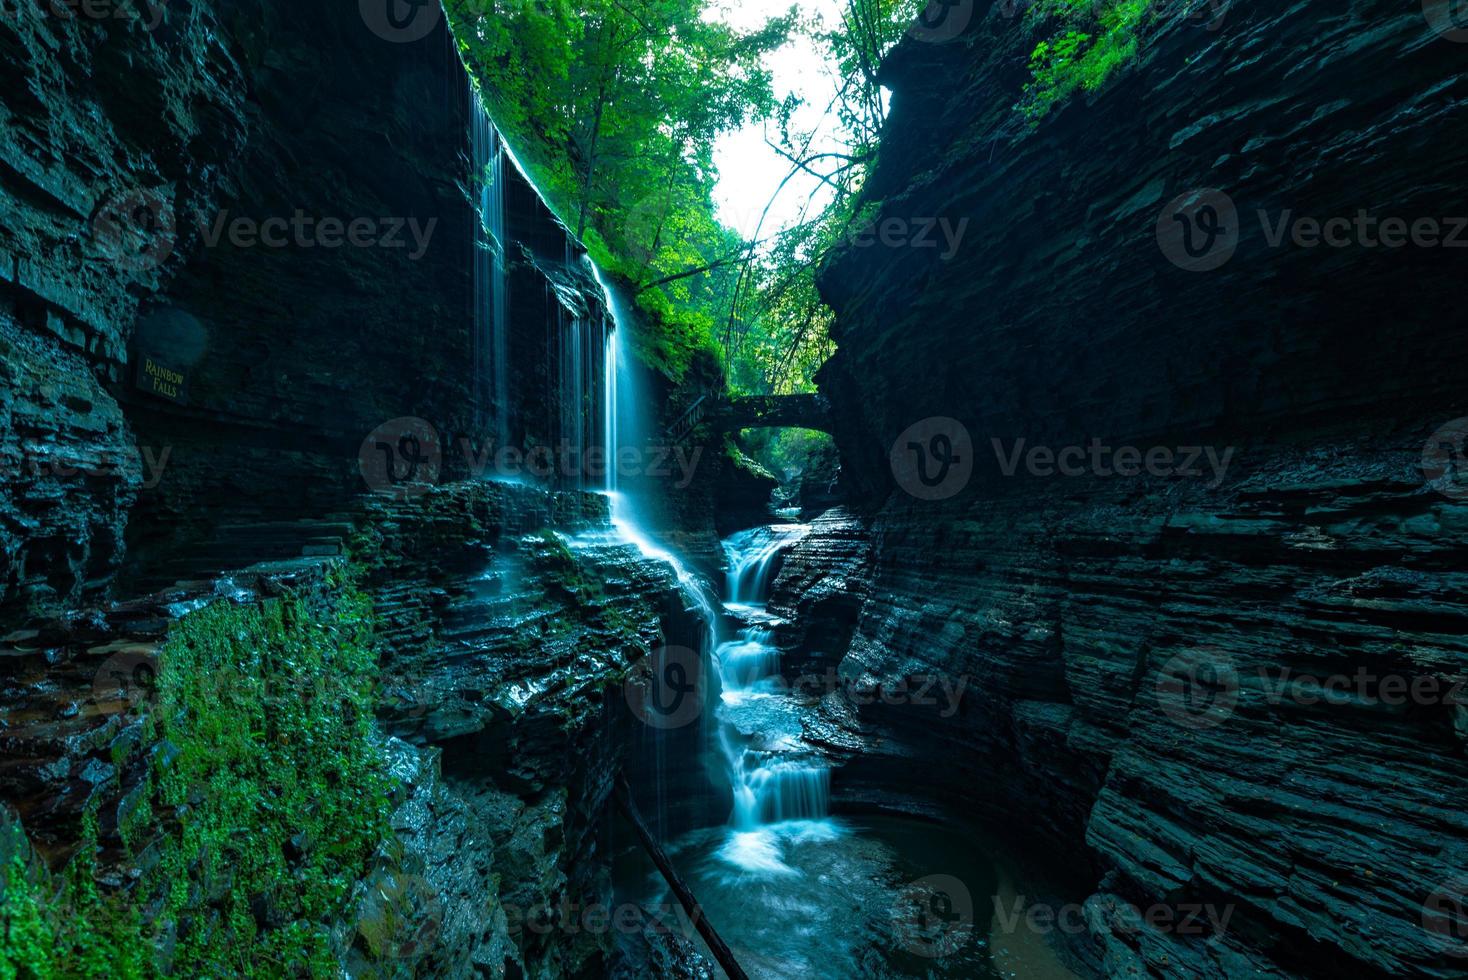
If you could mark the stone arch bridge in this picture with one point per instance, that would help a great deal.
(803, 411)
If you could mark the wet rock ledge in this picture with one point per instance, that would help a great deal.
(1145, 654)
(505, 621)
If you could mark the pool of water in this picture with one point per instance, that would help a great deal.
(848, 897)
(793, 890)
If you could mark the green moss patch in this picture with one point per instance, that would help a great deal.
(1096, 38)
(266, 795)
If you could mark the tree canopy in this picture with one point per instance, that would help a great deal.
(615, 107)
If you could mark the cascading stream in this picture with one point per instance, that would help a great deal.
(778, 790)
(793, 890)
(781, 793)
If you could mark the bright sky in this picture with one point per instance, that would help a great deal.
(749, 171)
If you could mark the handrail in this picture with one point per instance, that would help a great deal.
(716, 945)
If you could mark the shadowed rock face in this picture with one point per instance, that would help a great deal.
(231, 247)
(1058, 317)
(510, 625)
(98, 123)
(1135, 646)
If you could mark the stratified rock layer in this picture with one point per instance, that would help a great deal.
(1142, 655)
(510, 626)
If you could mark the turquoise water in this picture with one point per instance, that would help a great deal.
(840, 898)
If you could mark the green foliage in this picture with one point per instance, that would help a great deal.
(66, 929)
(787, 453)
(1098, 39)
(779, 330)
(785, 337)
(28, 947)
(272, 795)
(280, 787)
(740, 461)
(614, 107)
(678, 339)
(579, 590)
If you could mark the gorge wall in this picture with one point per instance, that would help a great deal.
(239, 252)
(1140, 649)
(238, 239)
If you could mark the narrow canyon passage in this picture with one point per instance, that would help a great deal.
(679, 488)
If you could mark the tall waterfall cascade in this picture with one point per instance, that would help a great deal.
(491, 339)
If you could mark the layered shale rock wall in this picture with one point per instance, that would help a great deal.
(1144, 653)
(184, 396)
(234, 241)
(509, 625)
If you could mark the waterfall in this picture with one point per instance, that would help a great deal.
(780, 792)
(609, 405)
(781, 795)
(491, 339)
(753, 558)
(621, 430)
